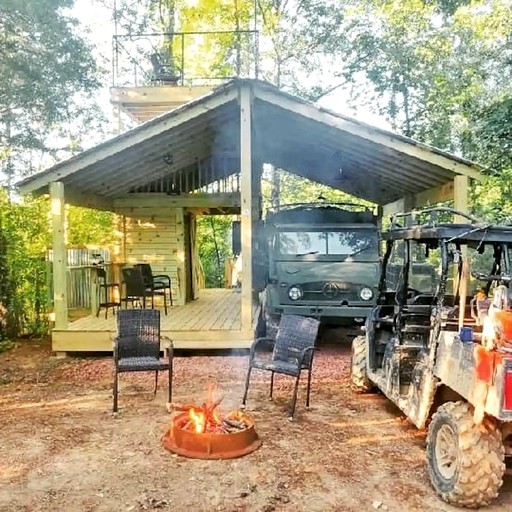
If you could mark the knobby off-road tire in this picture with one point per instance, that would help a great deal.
(359, 381)
(465, 461)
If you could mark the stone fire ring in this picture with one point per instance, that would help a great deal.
(210, 445)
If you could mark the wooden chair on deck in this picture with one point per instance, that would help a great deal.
(293, 352)
(137, 347)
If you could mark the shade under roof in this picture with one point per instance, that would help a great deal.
(201, 140)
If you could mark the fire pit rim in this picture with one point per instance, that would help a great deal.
(211, 445)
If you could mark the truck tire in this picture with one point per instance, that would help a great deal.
(465, 460)
(359, 381)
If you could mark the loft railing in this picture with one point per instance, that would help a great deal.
(184, 58)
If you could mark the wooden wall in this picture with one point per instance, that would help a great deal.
(150, 234)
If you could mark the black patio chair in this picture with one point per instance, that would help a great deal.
(294, 346)
(106, 289)
(157, 283)
(138, 289)
(137, 346)
(164, 72)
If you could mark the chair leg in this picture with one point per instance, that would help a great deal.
(294, 400)
(115, 391)
(156, 382)
(170, 382)
(170, 296)
(165, 303)
(309, 388)
(271, 384)
(247, 379)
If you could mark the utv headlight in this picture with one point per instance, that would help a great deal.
(295, 293)
(366, 293)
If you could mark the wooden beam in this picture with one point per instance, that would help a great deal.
(136, 136)
(149, 200)
(460, 196)
(60, 299)
(95, 202)
(156, 96)
(435, 195)
(180, 256)
(247, 206)
(375, 135)
(438, 194)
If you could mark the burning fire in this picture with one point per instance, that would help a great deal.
(207, 419)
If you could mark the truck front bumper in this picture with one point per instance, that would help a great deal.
(329, 311)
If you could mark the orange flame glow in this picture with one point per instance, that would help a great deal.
(198, 419)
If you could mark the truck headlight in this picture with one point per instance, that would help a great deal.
(295, 293)
(366, 293)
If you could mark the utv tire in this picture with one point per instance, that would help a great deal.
(359, 381)
(465, 461)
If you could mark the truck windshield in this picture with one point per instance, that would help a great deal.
(344, 243)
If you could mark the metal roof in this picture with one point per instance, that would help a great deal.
(201, 140)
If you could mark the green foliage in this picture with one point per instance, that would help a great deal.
(213, 234)
(24, 237)
(295, 189)
(46, 67)
(90, 227)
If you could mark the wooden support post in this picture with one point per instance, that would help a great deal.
(460, 203)
(180, 256)
(95, 290)
(460, 196)
(60, 296)
(246, 206)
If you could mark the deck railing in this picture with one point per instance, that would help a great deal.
(80, 265)
(184, 58)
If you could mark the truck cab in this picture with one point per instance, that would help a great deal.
(322, 261)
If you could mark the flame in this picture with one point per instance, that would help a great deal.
(205, 418)
(198, 420)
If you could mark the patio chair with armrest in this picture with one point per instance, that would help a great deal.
(137, 289)
(294, 347)
(157, 283)
(137, 347)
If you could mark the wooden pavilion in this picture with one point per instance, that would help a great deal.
(207, 156)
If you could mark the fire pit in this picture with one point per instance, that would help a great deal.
(200, 432)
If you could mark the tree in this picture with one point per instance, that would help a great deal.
(46, 68)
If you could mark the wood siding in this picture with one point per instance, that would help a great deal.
(151, 235)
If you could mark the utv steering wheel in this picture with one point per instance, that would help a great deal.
(412, 293)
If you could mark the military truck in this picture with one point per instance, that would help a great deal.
(319, 260)
(442, 351)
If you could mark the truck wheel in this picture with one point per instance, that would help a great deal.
(465, 461)
(359, 381)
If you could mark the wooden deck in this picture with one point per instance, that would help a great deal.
(211, 321)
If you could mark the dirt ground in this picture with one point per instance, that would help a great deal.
(62, 449)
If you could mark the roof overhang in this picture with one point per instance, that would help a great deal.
(288, 132)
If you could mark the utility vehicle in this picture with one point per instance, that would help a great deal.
(442, 352)
(319, 260)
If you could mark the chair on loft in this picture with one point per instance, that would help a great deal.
(157, 283)
(293, 352)
(137, 347)
(164, 72)
(108, 297)
(137, 290)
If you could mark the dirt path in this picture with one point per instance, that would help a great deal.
(61, 449)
